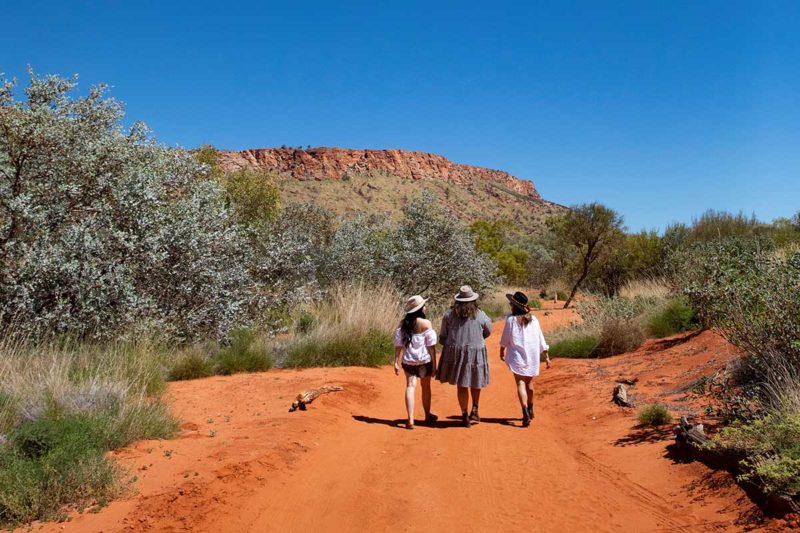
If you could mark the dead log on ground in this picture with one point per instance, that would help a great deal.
(620, 396)
(627, 381)
(308, 396)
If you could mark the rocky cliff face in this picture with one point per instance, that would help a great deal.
(322, 164)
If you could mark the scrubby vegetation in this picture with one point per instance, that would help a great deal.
(654, 415)
(107, 237)
(63, 407)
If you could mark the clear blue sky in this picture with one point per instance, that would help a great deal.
(658, 109)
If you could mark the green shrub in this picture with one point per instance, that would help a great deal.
(577, 345)
(305, 322)
(344, 348)
(772, 448)
(676, 316)
(193, 364)
(244, 354)
(654, 415)
(60, 460)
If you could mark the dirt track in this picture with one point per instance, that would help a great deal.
(243, 463)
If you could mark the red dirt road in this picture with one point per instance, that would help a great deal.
(243, 463)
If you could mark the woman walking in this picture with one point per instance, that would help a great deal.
(415, 340)
(521, 346)
(463, 362)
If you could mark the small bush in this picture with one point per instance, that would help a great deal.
(577, 345)
(345, 348)
(676, 316)
(305, 322)
(772, 447)
(60, 460)
(654, 415)
(244, 354)
(193, 364)
(618, 336)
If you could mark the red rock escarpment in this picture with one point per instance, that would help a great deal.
(338, 163)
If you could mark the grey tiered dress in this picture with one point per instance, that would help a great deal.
(464, 361)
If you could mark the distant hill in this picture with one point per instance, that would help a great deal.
(381, 181)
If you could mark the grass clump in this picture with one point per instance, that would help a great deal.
(674, 317)
(62, 407)
(245, 353)
(346, 348)
(192, 364)
(618, 336)
(576, 345)
(654, 415)
(354, 325)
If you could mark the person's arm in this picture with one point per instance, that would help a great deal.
(505, 340)
(432, 352)
(430, 344)
(397, 351)
(544, 348)
(486, 324)
(443, 330)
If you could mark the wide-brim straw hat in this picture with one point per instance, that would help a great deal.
(466, 294)
(415, 303)
(518, 299)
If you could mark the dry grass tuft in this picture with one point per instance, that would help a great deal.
(650, 288)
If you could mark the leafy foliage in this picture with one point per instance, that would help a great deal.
(674, 317)
(100, 228)
(591, 231)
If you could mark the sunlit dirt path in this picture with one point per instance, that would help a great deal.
(243, 463)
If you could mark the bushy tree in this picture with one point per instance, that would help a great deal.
(492, 239)
(101, 228)
(591, 232)
(433, 254)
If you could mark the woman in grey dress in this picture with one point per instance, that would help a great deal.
(463, 361)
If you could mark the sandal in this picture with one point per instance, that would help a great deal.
(409, 426)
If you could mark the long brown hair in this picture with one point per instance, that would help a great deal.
(524, 316)
(465, 310)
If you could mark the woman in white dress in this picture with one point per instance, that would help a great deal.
(415, 342)
(521, 347)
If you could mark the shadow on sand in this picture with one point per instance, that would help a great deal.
(450, 422)
(401, 422)
(644, 435)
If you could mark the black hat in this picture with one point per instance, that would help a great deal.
(519, 299)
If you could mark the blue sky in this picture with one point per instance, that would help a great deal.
(657, 109)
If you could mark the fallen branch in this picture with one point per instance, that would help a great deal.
(308, 396)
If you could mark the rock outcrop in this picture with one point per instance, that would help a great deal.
(338, 163)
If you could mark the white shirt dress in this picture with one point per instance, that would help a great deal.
(524, 346)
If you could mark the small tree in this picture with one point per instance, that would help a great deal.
(591, 231)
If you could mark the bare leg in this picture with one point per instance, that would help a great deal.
(530, 395)
(476, 396)
(426, 395)
(411, 384)
(463, 398)
(522, 391)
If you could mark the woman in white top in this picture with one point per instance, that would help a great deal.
(415, 340)
(521, 347)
